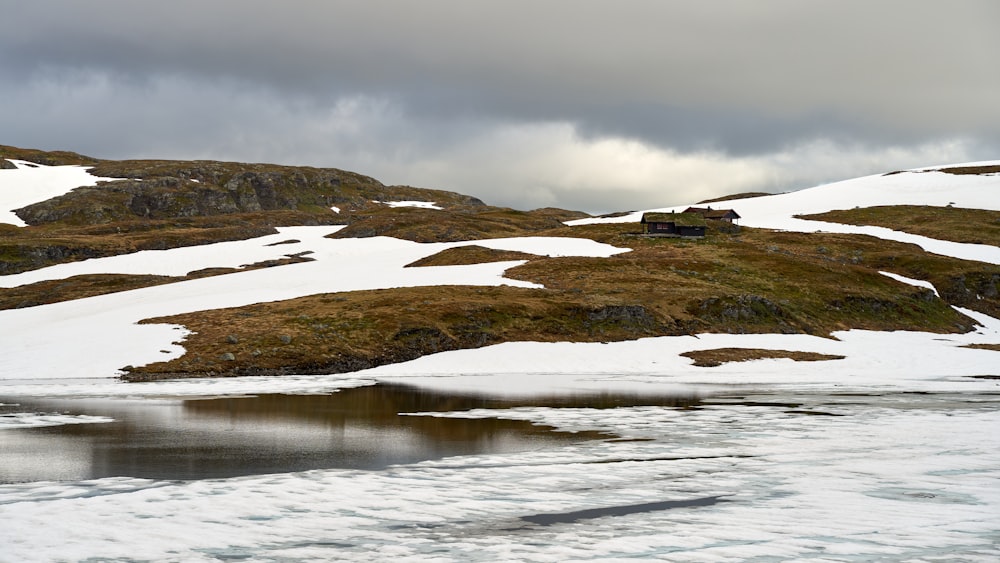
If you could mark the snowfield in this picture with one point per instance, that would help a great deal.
(891, 454)
(48, 342)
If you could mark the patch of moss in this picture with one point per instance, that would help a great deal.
(718, 356)
(470, 254)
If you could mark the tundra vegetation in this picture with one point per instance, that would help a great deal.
(734, 280)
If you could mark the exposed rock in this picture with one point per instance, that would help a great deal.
(23, 257)
(975, 290)
(170, 189)
(740, 308)
(423, 340)
(742, 312)
(631, 318)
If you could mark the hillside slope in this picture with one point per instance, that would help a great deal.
(71, 207)
(456, 274)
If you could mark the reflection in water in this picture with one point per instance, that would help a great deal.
(214, 438)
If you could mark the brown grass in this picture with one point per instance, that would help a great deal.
(744, 195)
(994, 347)
(344, 332)
(451, 225)
(76, 287)
(975, 170)
(719, 356)
(756, 281)
(28, 248)
(973, 226)
(471, 254)
(80, 287)
(54, 158)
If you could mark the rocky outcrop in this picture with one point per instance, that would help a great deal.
(156, 189)
(23, 257)
(171, 197)
(631, 319)
(974, 290)
(741, 313)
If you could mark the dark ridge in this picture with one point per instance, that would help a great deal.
(47, 158)
(745, 195)
(961, 170)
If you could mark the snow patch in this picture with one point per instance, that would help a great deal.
(47, 341)
(911, 281)
(32, 183)
(419, 204)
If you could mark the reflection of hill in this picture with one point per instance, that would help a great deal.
(214, 438)
(381, 405)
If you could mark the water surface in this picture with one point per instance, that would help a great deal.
(362, 428)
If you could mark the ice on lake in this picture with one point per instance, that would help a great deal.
(769, 472)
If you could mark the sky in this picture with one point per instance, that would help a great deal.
(594, 105)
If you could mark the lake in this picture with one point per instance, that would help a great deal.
(368, 427)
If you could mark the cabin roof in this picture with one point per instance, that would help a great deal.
(709, 213)
(679, 219)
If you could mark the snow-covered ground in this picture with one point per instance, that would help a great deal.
(921, 187)
(59, 340)
(31, 183)
(890, 454)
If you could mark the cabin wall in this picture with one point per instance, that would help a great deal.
(691, 231)
(673, 229)
(661, 228)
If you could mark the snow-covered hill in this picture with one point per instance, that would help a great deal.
(50, 341)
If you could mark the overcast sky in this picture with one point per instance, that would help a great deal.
(597, 105)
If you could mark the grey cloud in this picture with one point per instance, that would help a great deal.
(240, 78)
(779, 57)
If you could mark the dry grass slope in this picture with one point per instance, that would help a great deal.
(754, 281)
(972, 226)
(733, 281)
(79, 287)
(471, 254)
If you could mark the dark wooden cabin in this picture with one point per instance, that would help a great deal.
(673, 224)
(727, 215)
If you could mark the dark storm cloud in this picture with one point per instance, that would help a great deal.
(737, 78)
